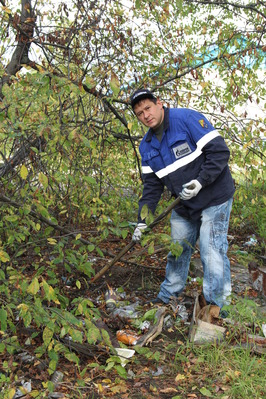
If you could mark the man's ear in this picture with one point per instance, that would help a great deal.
(159, 102)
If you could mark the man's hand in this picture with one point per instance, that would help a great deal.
(190, 190)
(138, 231)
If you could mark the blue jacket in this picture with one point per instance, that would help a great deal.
(191, 148)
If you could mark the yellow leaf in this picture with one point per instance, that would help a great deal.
(168, 390)
(51, 241)
(179, 377)
(153, 388)
(100, 388)
(114, 84)
(204, 84)
(7, 10)
(23, 172)
(78, 236)
(129, 126)
(4, 257)
(34, 287)
(11, 393)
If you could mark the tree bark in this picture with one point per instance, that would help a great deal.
(24, 26)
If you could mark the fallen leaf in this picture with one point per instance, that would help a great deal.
(205, 392)
(179, 377)
(168, 390)
(153, 388)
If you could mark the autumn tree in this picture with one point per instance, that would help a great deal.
(69, 139)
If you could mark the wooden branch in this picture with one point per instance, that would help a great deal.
(20, 155)
(57, 227)
(132, 243)
(25, 27)
(155, 330)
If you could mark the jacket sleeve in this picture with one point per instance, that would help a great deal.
(152, 191)
(216, 156)
(211, 146)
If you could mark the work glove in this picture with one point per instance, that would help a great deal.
(138, 231)
(190, 190)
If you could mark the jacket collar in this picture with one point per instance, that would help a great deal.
(166, 125)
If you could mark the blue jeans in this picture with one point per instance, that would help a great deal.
(212, 229)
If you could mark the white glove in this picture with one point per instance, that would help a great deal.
(190, 190)
(138, 231)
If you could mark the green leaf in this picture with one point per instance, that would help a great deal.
(52, 366)
(204, 391)
(43, 180)
(76, 335)
(121, 371)
(72, 319)
(47, 336)
(149, 315)
(3, 319)
(144, 212)
(49, 292)
(93, 334)
(23, 172)
(2, 347)
(72, 358)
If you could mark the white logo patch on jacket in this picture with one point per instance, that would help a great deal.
(182, 150)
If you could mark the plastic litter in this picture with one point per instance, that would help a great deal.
(56, 395)
(26, 358)
(251, 242)
(182, 312)
(128, 311)
(25, 387)
(110, 299)
(57, 377)
(144, 325)
(264, 329)
(124, 354)
(128, 337)
(158, 372)
(168, 321)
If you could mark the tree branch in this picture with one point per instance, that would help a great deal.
(24, 25)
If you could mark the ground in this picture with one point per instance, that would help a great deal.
(154, 371)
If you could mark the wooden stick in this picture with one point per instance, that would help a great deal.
(132, 243)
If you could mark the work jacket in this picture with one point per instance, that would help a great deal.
(190, 148)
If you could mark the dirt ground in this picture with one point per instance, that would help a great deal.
(136, 281)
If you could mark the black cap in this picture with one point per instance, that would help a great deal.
(139, 95)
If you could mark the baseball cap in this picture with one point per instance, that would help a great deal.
(139, 95)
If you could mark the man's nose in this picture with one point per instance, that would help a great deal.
(146, 114)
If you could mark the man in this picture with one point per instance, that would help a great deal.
(183, 152)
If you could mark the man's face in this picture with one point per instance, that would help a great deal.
(150, 114)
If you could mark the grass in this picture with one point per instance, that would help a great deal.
(229, 370)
